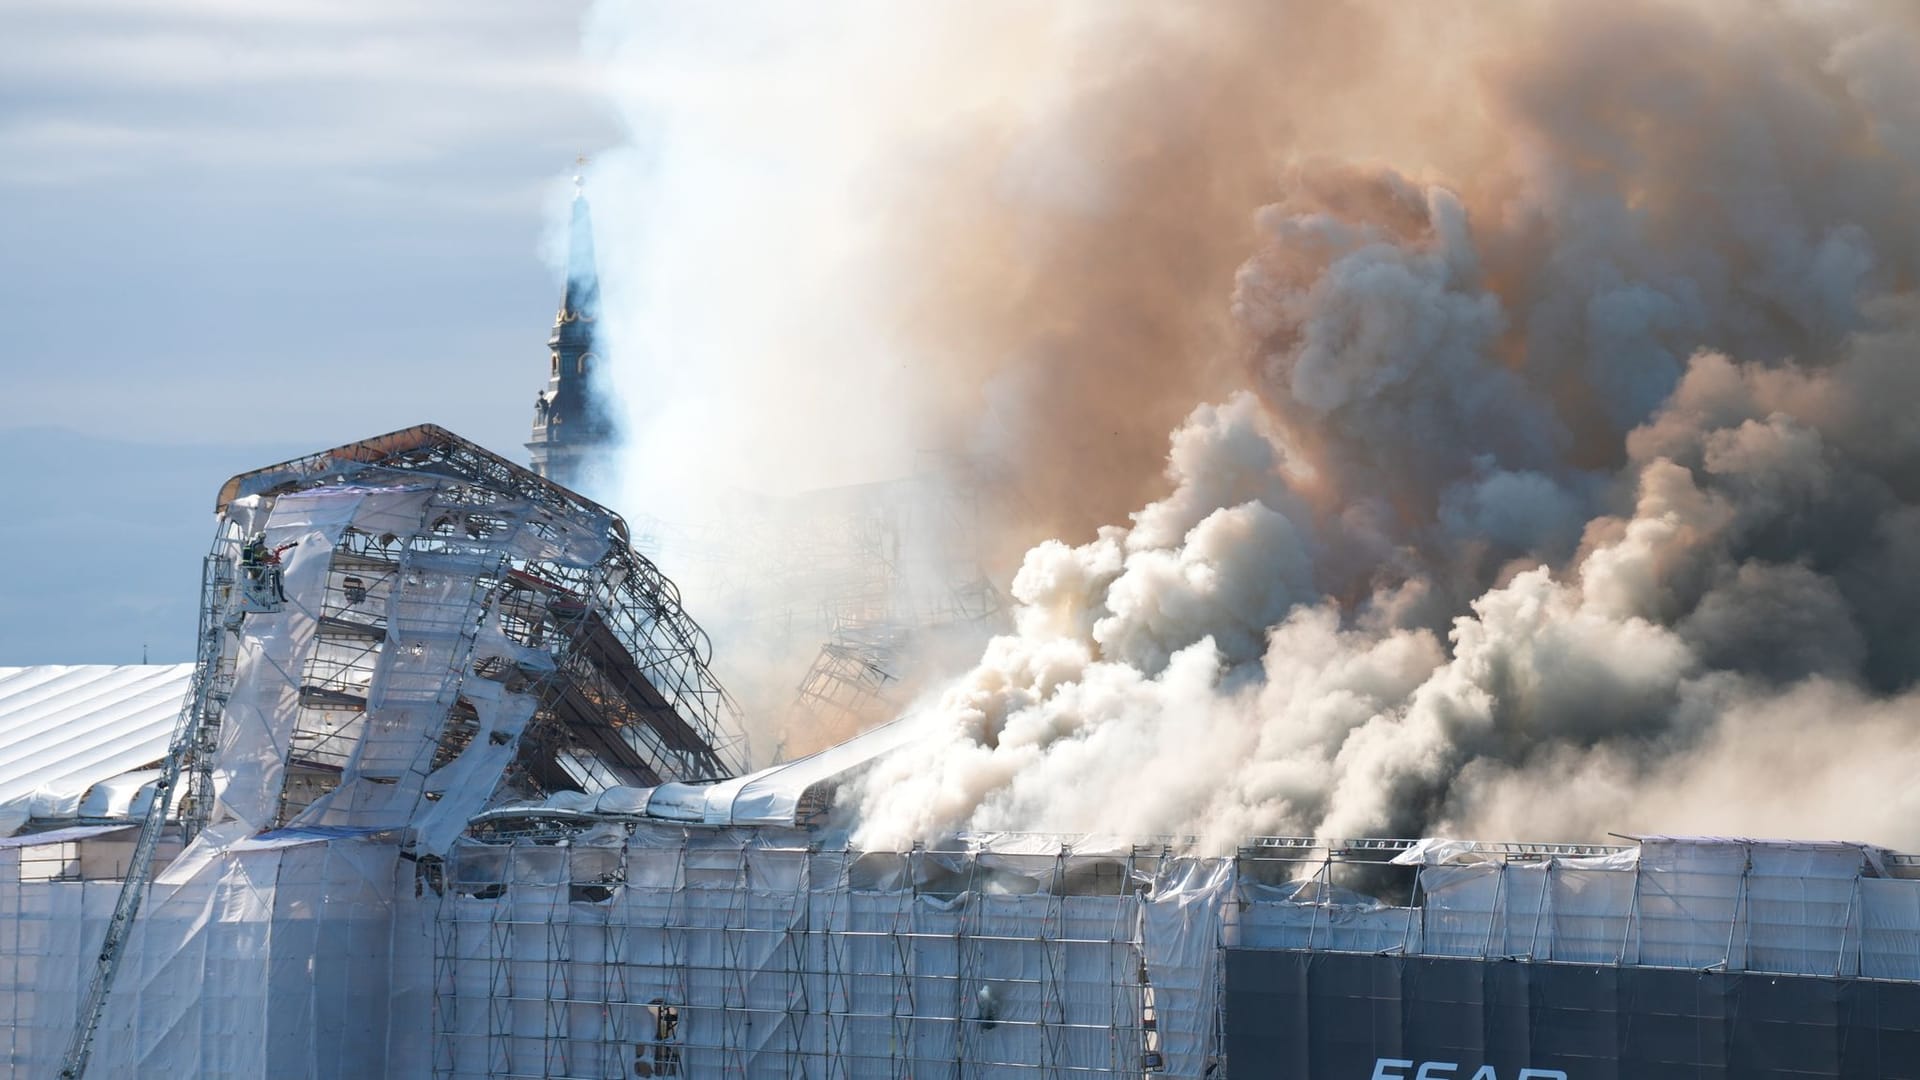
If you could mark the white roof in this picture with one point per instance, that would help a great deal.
(768, 797)
(66, 727)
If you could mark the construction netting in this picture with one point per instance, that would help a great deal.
(748, 954)
(274, 957)
(327, 953)
(371, 650)
(1774, 906)
(629, 949)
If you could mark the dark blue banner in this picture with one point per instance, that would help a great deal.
(1334, 1016)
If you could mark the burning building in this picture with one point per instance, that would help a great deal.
(1552, 470)
(452, 792)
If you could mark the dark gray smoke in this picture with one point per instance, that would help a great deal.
(1547, 463)
(1560, 474)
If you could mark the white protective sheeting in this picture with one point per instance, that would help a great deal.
(1679, 902)
(323, 952)
(436, 629)
(256, 729)
(66, 728)
(723, 953)
(62, 836)
(771, 796)
(277, 957)
(1180, 935)
(1890, 913)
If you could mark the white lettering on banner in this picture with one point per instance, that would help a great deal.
(1390, 1069)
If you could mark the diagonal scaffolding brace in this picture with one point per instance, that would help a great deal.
(185, 751)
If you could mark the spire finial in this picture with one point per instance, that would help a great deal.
(579, 183)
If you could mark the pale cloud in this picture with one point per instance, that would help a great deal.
(107, 88)
(346, 196)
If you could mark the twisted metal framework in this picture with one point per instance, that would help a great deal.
(878, 607)
(630, 698)
(634, 699)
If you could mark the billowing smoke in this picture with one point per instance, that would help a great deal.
(1548, 463)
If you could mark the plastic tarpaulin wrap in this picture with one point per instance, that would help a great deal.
(1765, 906)
(1802, 908)
(410, 1002)
(1287, 924)
(1685, 957)
(373, 664)
(1687, 901)
(724, 954)
(1179, 932)
(51, 926)
(256, 729)
(1890, 929)
(432, 630)
(1487, 909)
(1589, 908)
(276, 959)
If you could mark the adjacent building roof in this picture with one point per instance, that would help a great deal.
(66, 729)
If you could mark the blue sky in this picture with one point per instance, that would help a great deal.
(230, 231)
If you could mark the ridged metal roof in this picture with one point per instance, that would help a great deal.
(66, 727)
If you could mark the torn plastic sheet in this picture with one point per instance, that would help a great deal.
(256, 728)
(61, 836)
(1180, 938)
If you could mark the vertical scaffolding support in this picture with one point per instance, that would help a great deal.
(183, 754)
(501, 987)
(736, 1021)
(874, 962)
(446, 992)
(216, 595)
(1053, 1017)
(559, 982)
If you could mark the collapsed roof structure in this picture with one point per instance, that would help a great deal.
(445, 631)
(398, 633)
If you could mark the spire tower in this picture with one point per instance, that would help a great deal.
(573, 429)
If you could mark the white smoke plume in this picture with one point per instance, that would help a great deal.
(1548, 464)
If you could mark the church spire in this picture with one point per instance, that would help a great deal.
(572, 426)
(581, 302)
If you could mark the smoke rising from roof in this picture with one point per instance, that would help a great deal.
(1541, 384)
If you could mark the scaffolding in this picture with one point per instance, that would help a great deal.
(457, 631)
(578, 946)
(463, 625)
(745, 954)
(901, 563)
(189, 755)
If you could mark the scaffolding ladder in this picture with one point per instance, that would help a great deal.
(188, 749)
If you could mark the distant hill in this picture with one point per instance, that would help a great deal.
(101, 541)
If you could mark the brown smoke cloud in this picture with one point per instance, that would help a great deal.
(1066, 260)
(1538, 379)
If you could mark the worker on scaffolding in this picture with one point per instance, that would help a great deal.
(263, 567)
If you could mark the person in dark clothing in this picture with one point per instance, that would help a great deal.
(262, 565)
